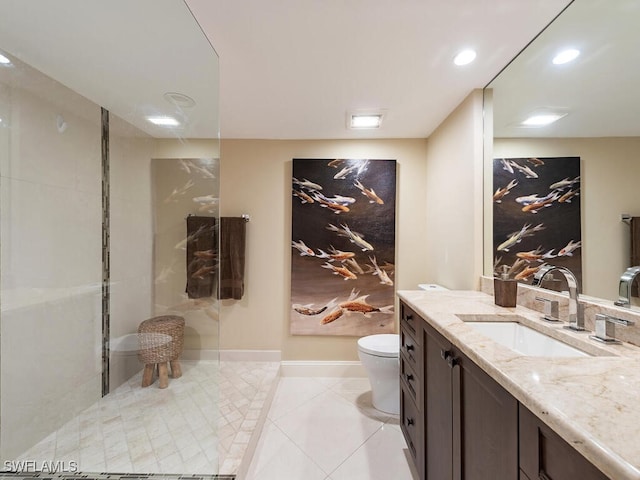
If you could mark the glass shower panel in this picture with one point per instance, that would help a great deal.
(130, 246)
(51, 268)
(97, 238)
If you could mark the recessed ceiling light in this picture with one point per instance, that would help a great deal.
(179, 99)
(465, 57)
(4, 60)
(366, 120)
(566, 56)
(163, 121)
(541, 120)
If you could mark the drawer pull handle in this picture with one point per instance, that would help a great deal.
(410, 421)
(448, 356)
(408, 317)
(409, 377)
(409, 347)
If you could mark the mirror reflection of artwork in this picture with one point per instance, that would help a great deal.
(536, 216)
(343, 247)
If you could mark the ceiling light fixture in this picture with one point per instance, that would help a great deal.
(179, 99)
(366, 120)
(4, 60)
(541, 120)
(566, 56)
(163, 121)
(465, 57)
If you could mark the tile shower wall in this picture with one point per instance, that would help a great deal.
(131, 224)
(51, 257)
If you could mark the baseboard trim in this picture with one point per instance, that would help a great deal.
(309, 368)
(232, 355)
(250, 355)
(200, 354)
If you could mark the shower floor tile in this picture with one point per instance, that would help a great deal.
(201, 424)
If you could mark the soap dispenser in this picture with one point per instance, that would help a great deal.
(505, 289)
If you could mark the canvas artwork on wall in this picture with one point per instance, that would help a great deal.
(536, 216)
(343, 246)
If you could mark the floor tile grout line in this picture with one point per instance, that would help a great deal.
(311, 459)
(356, 449)
(346, 403)
(299, 405)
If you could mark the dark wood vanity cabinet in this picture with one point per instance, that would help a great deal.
(411, 385)
(544, 455)
(471, 421)
(460, 424)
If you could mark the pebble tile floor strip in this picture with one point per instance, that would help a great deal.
(201, 424)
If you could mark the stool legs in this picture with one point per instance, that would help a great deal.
(163, 374)
(147, 375)
(176, 371)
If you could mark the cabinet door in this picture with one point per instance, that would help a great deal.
(485, 425)
(546, 456)
(437, 406)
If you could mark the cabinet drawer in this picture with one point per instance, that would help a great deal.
(411, 424)
(411, 322)
(411, 381)
(411, 350)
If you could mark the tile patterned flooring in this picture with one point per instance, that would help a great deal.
(326, 429)
(177, 430)
(315, 428)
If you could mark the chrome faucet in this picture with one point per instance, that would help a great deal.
(576, 314)
(624, 289)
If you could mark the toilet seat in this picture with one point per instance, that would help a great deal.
(381, 345)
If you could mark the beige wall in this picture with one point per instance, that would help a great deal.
(453, 240)
(130, 242)
(610, 173)
(256, 179)
(50, 326)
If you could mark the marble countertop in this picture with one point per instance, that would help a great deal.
(593, 403)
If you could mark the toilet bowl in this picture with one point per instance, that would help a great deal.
(379, 357)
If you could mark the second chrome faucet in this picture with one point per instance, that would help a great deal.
(576, 313)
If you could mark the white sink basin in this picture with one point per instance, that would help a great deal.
(525, 340)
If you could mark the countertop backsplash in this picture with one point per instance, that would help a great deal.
(527, 298)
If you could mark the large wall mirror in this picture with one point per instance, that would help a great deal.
(597, 100)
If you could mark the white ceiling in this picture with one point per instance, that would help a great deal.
(289, 69)
(123, 55)
(598, 91)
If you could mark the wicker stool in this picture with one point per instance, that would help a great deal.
(161, 340)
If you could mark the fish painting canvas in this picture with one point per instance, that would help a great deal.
(343, 246)
(536, 217)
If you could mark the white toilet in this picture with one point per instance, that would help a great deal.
(379, 356)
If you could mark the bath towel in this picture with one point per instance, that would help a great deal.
(202, 256)
(232, 245)
(635, 250)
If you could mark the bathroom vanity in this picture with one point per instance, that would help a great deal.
(474, 409)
